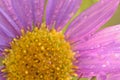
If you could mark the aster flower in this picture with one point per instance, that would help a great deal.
(40, 41)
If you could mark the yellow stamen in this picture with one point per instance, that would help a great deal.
(39, 55)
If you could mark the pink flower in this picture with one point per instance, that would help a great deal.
(97, 53)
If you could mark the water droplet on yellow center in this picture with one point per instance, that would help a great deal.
(39, 55)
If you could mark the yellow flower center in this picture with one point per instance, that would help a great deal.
(39, 55)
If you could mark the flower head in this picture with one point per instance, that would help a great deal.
(43, 40)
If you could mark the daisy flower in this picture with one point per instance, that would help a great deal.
(42, 40)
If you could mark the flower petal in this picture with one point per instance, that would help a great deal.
(38, 10)
(100, 54)
(91, 19)
(59, 12)
(8, 28)
(7, 31)
(24, 10)
(7, 22)
(113, 77)
(108, 77)
(1, 74)
(24, 13)
(18, 14)
(10, 16)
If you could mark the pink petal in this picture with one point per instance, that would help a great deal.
(108, 77)
(100, 55)
(1, 74)
(90, 20)
(59, 12)
(18, 14)
(24, 12)
(113, 77)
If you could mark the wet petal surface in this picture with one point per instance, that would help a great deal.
(90, 20)
(100, 54)
(60, 12)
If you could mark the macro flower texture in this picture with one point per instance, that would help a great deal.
(42, 40)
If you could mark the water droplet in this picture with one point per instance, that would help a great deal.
(98, 46)
(107, 62)
(92, 73)
(85, 16)
(102, 1)
(10, 8)
(92, 47)
(116, 55)
(103, 65)
(93, 66)
(15, 18)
